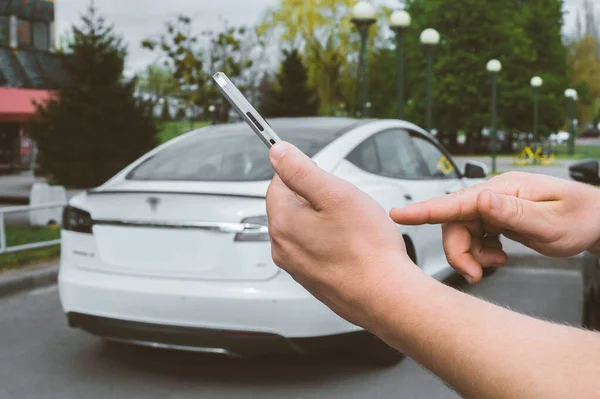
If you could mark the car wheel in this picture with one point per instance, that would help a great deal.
(591, 293)
(378, 353)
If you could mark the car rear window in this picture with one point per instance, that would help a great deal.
(232, 153)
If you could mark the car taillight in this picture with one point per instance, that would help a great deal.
(255, 229)
(77, 220)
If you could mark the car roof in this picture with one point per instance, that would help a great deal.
(323, 129)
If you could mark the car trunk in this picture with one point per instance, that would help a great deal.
(181, 230)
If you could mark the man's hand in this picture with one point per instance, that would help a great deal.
(554, 217)
(331, 237)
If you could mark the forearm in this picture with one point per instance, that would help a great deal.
(483, 350)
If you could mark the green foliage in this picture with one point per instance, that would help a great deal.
(158, 82)
(324, 31)
(584, 63)
(165, 114)
(95, 126)
(524, 36)
(228, 51)
(170, 130)
(183, 56)
(291, 96)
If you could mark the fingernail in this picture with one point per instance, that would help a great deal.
(468, 278)
(494, 201)
(278, 151)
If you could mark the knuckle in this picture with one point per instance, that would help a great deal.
(516, 209)
(277, 256)
(452, 259)
(276, 228)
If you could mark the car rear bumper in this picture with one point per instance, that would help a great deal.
(229, 343)
(280, 306)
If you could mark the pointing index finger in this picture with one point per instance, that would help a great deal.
(458, 206)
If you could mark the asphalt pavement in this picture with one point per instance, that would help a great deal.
(40, 357)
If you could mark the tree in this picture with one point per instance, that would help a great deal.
(323, 32)
(230, 51)
(267, 97)
(584, 63)
(165, 114)
(95, 125)
(292, 96)
(507, 31)
(158, 83)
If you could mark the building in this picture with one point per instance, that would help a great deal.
(30, 69)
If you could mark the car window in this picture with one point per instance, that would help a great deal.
(438, 164)
(398, 156)
(231, 153)
(365, 156)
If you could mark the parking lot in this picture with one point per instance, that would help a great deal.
(40, 357)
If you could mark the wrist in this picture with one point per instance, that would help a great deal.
(393, 306)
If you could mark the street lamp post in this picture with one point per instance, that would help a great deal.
(363, 16)
(213, 113)
(536, 83)
(572, 97)
(430, 38)
(400, 22)
(494, 67)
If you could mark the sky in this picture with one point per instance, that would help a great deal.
(136, 20)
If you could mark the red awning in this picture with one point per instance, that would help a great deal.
(17, 105)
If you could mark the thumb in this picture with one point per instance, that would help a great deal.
(301, 174)
(513, 213)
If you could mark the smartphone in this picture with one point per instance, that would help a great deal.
(246, 110)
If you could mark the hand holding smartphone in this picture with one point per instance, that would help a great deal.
(235, 97)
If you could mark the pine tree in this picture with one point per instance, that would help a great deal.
(165, 114)
(95, 125)
(267, 97)
(291, 96)
(295, 97)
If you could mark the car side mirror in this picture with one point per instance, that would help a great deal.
(475, 170)
(587, 171)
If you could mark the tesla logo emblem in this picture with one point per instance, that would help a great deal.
(153, 202)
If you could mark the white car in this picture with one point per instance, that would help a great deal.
(173, 252)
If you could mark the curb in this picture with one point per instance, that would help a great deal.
(11, 284)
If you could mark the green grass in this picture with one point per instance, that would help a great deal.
(19, 235)
(170, 130)
(581, 152)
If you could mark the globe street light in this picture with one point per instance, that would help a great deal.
(363, 16)
(430, 38)
(494, 67)
(536, 83)
(212, 110)
(399, 23)
(572, 97)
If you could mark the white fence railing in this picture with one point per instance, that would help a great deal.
(4, 249)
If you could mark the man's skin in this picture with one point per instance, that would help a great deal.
(343, 247)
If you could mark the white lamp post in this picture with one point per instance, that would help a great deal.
(430, 38)
(363, 16)
(536, 83)
(494, 67)
(572, 97)
(400, 22)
